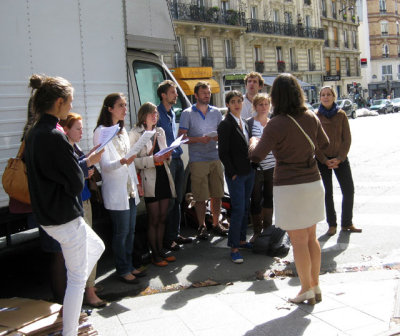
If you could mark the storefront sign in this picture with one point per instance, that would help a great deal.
(331, 78)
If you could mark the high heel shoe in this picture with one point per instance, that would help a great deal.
(317, 292)
(308, 296)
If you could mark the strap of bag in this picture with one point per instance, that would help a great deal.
(305, 134)
(21, 150)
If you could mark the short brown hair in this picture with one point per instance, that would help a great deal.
(259, 97)
(144, 111)
(70, 120)
(164, 86)
(254, 74)
(201, 85)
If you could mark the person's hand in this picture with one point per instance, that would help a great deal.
(253, 141)
(161, 158)
(93, 150)
(94, 157)
(140, 190)
(127, 161)
(90, 173)
(332, 163)
(204, 139)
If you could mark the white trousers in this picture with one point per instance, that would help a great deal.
(81, 248)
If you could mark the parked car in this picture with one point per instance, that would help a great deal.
(347, 106)
(396, 104)
(382, 106)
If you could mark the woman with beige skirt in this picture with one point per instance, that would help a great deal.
(295, 137)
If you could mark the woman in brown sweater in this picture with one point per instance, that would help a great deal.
(335, 124)
(295, 136)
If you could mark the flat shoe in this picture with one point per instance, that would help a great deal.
(98, 304)
(331, 231)
(351, 228)
(161, 263)
(183, 240)
(139, 274)
(130, 281)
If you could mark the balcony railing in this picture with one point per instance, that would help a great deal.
(311, 66)
(328, 72)
(385, 33)
(188, 12)
(207, 61)
(294, 67)
(382, 11)
(180, 61)
(286, 29)
(385, 55)
(259, 66)
(338, 73)
(281, 65)
(230, 62)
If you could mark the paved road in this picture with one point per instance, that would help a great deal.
(375, 158)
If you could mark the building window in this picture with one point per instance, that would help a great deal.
(311, 64)
(384, 27)
(204, 46)
(397, 27)
(279, 54)
(200, 3)
(288, 18)
(253, 12)
(228, 48)
(335, 37)
(276, 15)
(398, 51)
(345, 39)
(354, 38)
(328, 65)
(334, 11)
(338, 66)
(323, 3)
(382, 5)
(387, 72)
(225, 6)
(398, 71)
(385, 50)
(348, 66)
(257, 53)
(308, 21)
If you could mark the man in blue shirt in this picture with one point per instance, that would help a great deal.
(199, 124)
(168, 95)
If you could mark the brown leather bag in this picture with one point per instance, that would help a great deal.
(15, 180)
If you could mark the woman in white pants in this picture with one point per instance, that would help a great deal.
(55, 185)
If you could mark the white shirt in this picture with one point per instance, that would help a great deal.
(247, 109)
(242, 125)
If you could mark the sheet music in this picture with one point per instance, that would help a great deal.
(146, 136)
(106, 135)
(211, 134)
(176, 143)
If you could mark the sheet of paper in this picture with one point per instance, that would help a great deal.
(146, 136)
(211, 134)
(107, 133)
(176, 143)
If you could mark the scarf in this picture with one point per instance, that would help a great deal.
(328, 113)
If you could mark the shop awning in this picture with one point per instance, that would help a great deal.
(188, 85)
(268, 80)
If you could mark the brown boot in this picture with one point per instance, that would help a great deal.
(267, 217)
(257, 226)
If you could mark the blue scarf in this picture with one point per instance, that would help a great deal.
(328, 113)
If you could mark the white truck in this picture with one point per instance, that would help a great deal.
(100, 46)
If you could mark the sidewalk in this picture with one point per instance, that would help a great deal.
(359, 303)
(359, 298)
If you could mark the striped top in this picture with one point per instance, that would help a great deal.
(269, 161)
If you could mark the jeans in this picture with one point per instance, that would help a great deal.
(81, 248)
(345, 179)
(124, 222)
(240, 191)
(172, 227)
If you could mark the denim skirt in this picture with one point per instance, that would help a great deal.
(299, 206)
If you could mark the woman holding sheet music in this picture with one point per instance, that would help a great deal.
(119, 187)
(158, 184)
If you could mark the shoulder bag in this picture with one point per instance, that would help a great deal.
(15, 180)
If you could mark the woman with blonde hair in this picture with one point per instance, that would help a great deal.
(295, 136)
(336, 125)
(158, 184)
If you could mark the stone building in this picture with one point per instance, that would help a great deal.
(234, 37)
(384, 39)
(341, 48)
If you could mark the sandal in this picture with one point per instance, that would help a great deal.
(351, 228)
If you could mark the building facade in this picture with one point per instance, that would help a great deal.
(234, 37)
(384, 21)
(340, 22)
